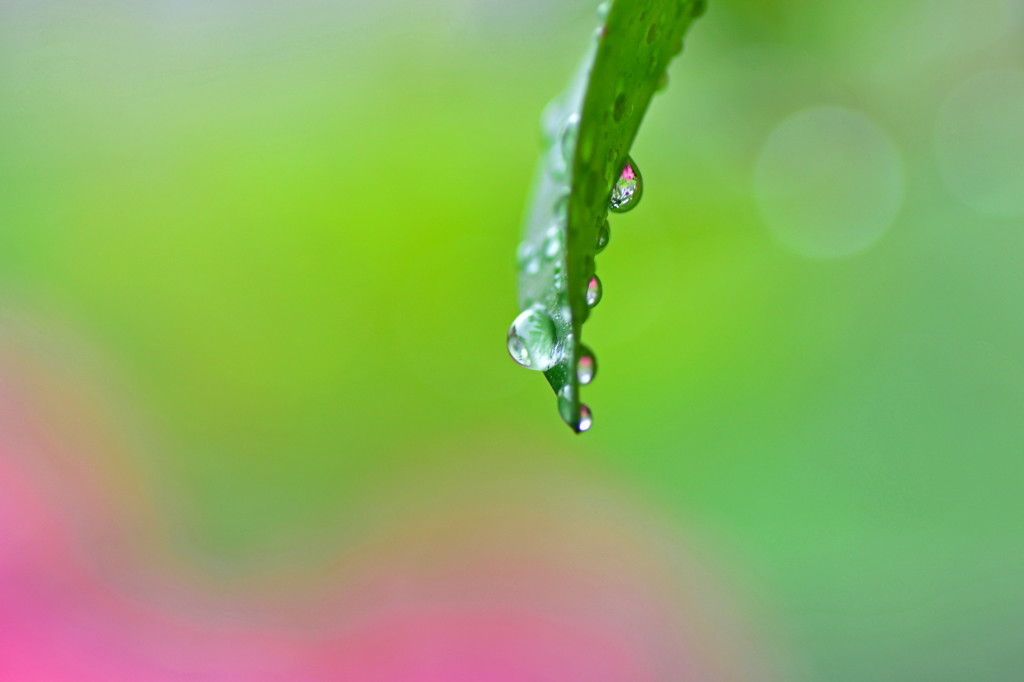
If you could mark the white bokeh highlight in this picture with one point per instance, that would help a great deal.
(829, 182)
(979, 142)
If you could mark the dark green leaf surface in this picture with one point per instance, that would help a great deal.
(588, 132)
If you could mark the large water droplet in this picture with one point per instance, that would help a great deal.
(531, 339)
(586, 419)
(628, 188)
(593, 293)
(604, 233)
(586, 367)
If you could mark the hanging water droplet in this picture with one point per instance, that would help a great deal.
(628, 188)
(593, 295)
(586, 419)
(604, 233)
(531, 339)
(586, 367)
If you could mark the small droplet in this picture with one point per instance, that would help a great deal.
(602, 11)
(604, 233)
(628, 188)
(567, 140)
(586, 419)
(532, 266)
(593, 295)
(531, 340)
(622, 108)
(549, 120)
(525, 251)
(553, 243)
(565, 404)
(586, 367)
(652, 33)
(562, 209)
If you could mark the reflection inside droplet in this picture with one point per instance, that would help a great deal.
(628, 188)
(531, 339)
(593, 293)
(586, 367)
(586, 419)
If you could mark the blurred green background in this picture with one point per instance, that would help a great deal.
(281, 240)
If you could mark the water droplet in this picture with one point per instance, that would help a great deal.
(565, 404)
(532, 266)
(604, 233)
(586, 367)
(525, 251)
(562, 209)
(553, 243)
(567, 140)
(559, 280)
(549, 120)
(628, 188)
(652, 33)
(586, 419)
(593, 295)
(531, 340)
(622, 108)
(602, 11)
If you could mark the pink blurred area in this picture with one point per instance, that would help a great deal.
(516, 567)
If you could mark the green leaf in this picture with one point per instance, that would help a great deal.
(588, 132)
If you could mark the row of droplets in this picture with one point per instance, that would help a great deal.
(533, 338)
